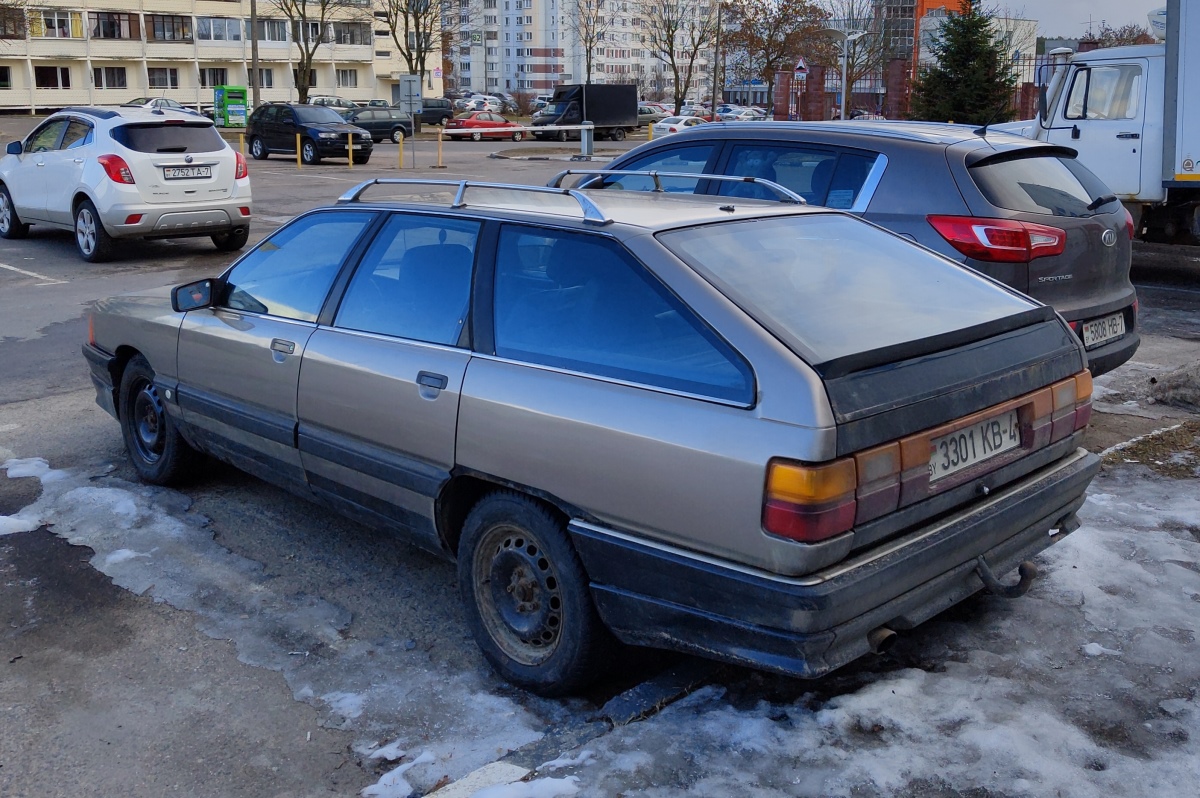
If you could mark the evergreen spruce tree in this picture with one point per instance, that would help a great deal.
(971, 80)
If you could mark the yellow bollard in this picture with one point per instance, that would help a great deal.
(439, 164)
(350, 150)
(650, 132)
(401, 149)
(242, 145)
(297, 150)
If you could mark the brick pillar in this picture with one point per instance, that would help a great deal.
(898, 78)
(813, 102)
(783, 95)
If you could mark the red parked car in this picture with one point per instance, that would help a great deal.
(461, 126)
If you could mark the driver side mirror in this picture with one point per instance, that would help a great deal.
(192, 296)
(14, 148)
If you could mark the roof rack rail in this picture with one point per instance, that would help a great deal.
(785, 194)
(591, 212)
(99, 113)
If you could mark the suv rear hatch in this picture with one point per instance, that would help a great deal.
(178, 160)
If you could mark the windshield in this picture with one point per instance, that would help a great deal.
(316, 114)
(830, 286)
(558, 108)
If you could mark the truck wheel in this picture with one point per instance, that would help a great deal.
(618, 134)
(527, 598)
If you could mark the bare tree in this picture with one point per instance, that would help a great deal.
(416, 28)
(309, 21)
(589, 25)
(676, 32)
(1126, 34)
(770, 35)
(866, 55)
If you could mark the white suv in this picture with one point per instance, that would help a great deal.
(111, 173)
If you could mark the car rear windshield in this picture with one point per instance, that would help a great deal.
(831, 286)
(1046, 184)
(169, 137)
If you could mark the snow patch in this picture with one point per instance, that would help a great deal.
(393, 784)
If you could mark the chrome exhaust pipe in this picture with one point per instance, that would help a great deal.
(881, 639)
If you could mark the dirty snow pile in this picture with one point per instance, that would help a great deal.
(1087, 686)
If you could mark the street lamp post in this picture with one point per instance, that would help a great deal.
(716, 64)
(845, 38)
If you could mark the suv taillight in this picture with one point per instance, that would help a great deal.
(1128, 222)
(116, 169)
(999, 240)
(241, 170)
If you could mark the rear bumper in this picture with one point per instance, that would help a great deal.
(176, 219)
(1104, 359)
(807, 626)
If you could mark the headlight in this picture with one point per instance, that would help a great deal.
(330, 135)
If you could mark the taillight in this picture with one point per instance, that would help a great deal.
(1128, 221)
(999, 240)
(240, 171)
(116, 169)
(809, 503)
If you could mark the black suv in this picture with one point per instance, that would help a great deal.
(274, 127)
(436, 110)
(1025, 213)
(381, 123)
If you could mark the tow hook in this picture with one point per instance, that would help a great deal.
(1027, 570)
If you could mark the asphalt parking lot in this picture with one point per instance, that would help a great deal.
(228, 640)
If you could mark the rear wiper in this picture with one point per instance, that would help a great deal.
(1107, 198)
(184, 149)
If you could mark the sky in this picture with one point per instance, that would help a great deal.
(1084, 687)
(1069, 18)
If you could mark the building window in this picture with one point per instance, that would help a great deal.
(12, 24)
(312, 77)
(271, 30)
(266, 79)
(52, 77)
(167, 28)
(347, 78)
(106, 25)
(212, 76)
(51, 24)
(218, 29)
(5, 77)
(352, 33)
(108, 77)
(163, 77)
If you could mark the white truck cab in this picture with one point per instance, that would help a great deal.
(1127, 114)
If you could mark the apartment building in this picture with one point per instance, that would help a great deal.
(534, 45)
(105, 52)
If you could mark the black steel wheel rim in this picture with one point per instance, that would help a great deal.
(519, 594)
(149, 422)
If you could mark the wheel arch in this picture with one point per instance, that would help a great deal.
(116, 369)
(465, 489)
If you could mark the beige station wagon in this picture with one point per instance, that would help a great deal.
(764, 433)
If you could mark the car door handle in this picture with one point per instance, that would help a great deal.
(1129, 135)
(79, 160)
(41, 163)
(280, 345)
(431, 380)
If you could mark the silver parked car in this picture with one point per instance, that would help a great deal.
(759, 432)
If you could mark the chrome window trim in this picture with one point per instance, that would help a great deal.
(867, 192)
(624, 383)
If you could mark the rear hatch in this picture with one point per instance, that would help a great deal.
(177, 160)
(1081, 260)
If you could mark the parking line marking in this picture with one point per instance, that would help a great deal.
(49, 280)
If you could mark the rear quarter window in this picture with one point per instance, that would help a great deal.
(169, 138)
(1050, 185)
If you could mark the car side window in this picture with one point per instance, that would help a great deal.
(805, 171)
(290, 273)
(583, 303)
(415, 280)
(46, 137)
(691, 159)
(78, 134)
(270, 113)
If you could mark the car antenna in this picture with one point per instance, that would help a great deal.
(982, 131)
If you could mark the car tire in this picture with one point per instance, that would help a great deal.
(443, 121)
(258, 149)
(518, 135)
(562, 135)
(94, 243)
(527, 598)
(618, 134)
(476, 137)
(231, 240)
(309, 154)
(398, 135)
(159, 453)
(11, 225)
